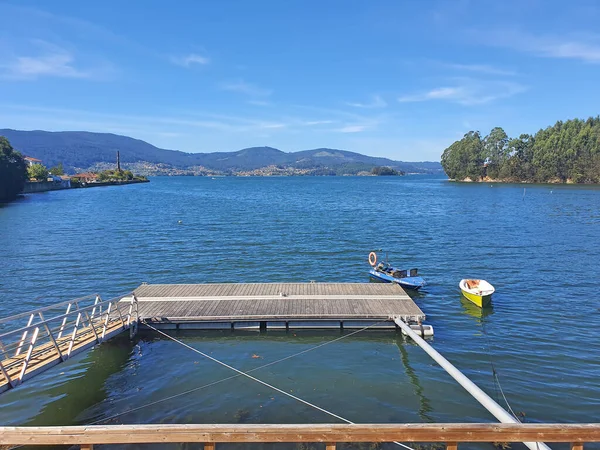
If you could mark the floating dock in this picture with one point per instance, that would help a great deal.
(274, 305)
(35, 341)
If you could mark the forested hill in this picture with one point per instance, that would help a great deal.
(78, 150)
(568, 152)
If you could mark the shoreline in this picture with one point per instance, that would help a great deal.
(34, 187)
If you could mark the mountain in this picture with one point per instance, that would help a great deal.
(82, 150)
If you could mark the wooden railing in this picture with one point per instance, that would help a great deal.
(449, 433)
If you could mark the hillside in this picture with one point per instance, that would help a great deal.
(81, 150)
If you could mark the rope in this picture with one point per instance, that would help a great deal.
(105, 419)
(495, 373)
(312, 405)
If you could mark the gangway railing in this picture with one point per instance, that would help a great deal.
(34, 341)
(450, 433)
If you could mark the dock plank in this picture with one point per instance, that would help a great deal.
(264, 302)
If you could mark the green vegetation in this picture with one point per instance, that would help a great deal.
(13, 171)
(384, 170)
(57, 170)
(119, 175)
(38, 171)
(568, 152)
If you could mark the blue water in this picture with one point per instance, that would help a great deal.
(538, 244)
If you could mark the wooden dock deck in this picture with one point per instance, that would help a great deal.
(274, 305)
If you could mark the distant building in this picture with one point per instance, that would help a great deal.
(85, 177)
(31, 161)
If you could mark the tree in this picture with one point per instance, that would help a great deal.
(495, 151)
(383, 170)
(38, 171)
(13, 171)
(57, 170)
(565, 152)
(464, 158)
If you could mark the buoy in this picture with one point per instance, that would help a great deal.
(179, 221)
(373, 259)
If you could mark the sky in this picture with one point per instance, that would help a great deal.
(399, 79)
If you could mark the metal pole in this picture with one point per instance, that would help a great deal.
(486, 401)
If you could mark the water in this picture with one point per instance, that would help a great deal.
(539, 246)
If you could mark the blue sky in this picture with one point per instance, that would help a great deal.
(401, 79)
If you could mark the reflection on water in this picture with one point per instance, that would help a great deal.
(424, 403)
(473, 310)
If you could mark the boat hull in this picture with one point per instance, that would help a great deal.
(414, 283)
(480, 300)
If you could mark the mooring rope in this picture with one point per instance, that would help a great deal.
(171, 397)
(264, 383)
(495, 376)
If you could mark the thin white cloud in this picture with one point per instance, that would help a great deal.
(310, 123)
(468, 93)
(351, 129)
(480, 68)
(50, 60)
(376, 102)
(245, 88)
(581, 46)
(190, 60)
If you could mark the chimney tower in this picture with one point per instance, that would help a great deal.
(118, 161)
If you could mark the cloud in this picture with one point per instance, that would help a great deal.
(480, 68)
(351, 129)
(245, 88)
(376, 102)
(51, 60)
(583, 47)
(468, 93)
(191, 59)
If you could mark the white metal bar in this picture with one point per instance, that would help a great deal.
(29, 351)
(94, 309)
(62, 327)
(106, 320)
(130, 310)
(73, 335)
(486, 401)
(24, 336)
(51, 336)
(92, 327)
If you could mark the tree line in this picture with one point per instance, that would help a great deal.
(565, 152)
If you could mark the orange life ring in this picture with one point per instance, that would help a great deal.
(373, 259)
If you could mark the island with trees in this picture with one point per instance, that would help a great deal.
(567, 152)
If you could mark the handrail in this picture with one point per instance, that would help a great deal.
(450, 433)
(45, 342)
(45, 308)
(61, 316)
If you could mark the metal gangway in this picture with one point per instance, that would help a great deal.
(35, 341)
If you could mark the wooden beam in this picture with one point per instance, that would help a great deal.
(86, 447)
(209, 446)
(330, 446)
(576, 446)
(442, 432)
(451, 445)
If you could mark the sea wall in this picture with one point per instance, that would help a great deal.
(43, 186)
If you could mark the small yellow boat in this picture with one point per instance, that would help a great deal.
(478, 291)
